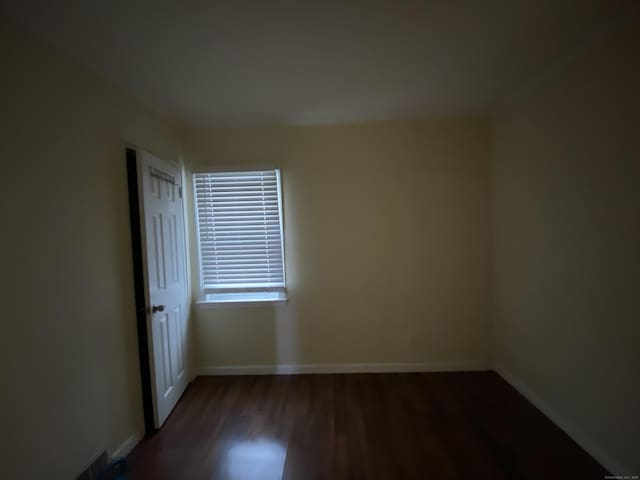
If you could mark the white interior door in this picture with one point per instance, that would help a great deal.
(163, 237)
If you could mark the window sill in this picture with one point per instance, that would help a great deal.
(243, 298)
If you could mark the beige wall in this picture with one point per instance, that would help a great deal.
(71, 384)
(387, 245)
(567, 243)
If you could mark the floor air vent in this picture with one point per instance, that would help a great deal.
(98, 465)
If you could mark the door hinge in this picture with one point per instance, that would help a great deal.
(180, 191)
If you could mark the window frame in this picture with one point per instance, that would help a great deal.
(242, 294)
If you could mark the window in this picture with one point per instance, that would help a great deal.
(240, 234)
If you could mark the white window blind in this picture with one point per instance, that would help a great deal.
(240, 230)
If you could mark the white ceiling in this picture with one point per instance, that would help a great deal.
(262, 62)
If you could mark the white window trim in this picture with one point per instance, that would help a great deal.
(243, 296)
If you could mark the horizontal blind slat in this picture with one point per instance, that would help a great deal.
(244, 277)
(243, 265)
(222, 286)
(249, 242)
(263, 271)
(242, 182)
(216, 177)
(211, 232)
(225, 248)
(205, 216)
(234, 258)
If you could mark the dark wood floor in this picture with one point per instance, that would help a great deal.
(369, 426)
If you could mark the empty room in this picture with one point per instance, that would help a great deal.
(298, 240)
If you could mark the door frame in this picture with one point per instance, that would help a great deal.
(137, 250)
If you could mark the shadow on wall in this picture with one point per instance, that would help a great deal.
(241, 335)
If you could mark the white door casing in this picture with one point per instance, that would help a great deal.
(165, 270)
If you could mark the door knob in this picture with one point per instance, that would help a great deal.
(157, 308)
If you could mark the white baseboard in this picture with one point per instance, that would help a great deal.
(294, 369)
(578, 436)
(125, 448)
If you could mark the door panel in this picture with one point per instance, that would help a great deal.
(165, 266)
